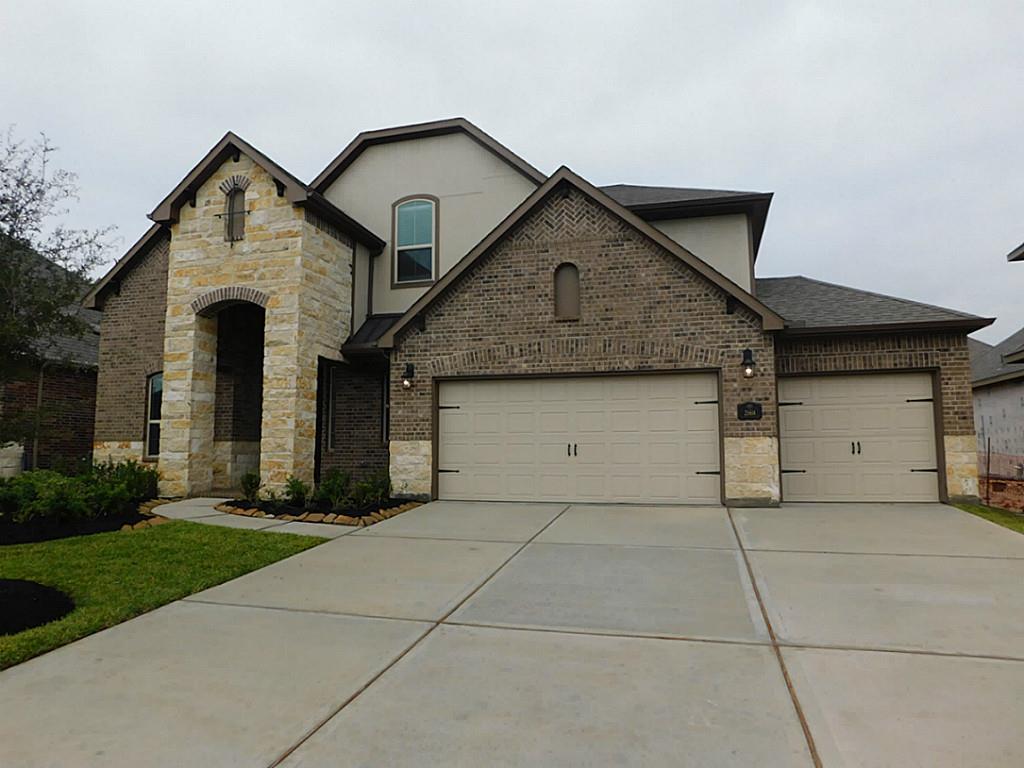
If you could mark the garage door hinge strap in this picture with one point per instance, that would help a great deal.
(705, 402)
(709, 472)
(795, 402)
(920, 399)
(793, 471)
(924, 470)
(447, 407)
(449, 470)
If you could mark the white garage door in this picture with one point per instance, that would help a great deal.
(858, 438)
(650, 438)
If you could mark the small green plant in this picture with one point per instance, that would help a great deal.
(374, 490)
(296, 491)
(334, 488)
(250, 483)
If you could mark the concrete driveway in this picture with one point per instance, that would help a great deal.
(532, 634)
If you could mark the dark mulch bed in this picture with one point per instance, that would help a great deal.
(46, 530)
(283, 508)
(27, 604)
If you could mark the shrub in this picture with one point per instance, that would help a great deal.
(334, 488)
(296, 491)
(138, 480)
(375, 490)
(250, 482)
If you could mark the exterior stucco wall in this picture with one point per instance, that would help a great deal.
(721, 241)
(999, 416)
(641, 309)
(476, 190)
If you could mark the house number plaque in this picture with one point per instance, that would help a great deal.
(749, 411)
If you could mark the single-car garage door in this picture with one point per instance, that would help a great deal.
(864, 437)
(632, 438)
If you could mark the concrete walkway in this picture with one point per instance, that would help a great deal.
(470, 634)
(201, 510)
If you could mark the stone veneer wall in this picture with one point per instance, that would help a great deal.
(305, 269)
(131, 348)
(641, 309)
(947, 352)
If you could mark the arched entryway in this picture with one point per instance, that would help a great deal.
(238, 394)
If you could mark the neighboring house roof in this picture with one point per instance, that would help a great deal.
(657, 203)
(418, 131)
(813, 306)
(993, 364)
(770, 320)
(81, 350)
(1017, 254)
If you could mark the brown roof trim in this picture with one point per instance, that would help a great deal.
(295, 190)
(770, 320)
(1017, 254)
(960, 325)
(419, 131)
(109, 280)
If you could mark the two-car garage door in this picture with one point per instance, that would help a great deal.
(864, 437)
(631, 438)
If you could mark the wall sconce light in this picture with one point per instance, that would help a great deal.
(407, 375)
(748, 364)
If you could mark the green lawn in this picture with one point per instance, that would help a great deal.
(1011, 520)
(115, 576)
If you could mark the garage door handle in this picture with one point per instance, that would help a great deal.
(851, 448)
(575, 450)
(568, 449)
(858, 447)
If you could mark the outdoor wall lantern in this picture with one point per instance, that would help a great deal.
(408, 374)
(748, 364)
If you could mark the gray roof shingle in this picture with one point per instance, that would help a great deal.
(987, 360)
(806, 303)
(631, 195)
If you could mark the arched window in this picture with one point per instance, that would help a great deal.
(234, 215)
(415, 238)
(567, 292)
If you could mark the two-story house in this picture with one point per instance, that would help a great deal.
(433, 305)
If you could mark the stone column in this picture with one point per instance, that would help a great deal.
(186, 429)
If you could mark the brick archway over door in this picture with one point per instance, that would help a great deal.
(210, 301)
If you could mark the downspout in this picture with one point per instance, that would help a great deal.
(38, 418)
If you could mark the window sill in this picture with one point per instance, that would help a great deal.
(412, 283)
(567, 319)
(150, 459)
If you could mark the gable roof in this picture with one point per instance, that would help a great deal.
(770, 320)
(814, 306)
(993, 364)
(167, 211)
(1017, 254)
(295, 191)
(141, 247)
(657, 203)
(367, 139)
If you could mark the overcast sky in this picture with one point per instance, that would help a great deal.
(890, 132)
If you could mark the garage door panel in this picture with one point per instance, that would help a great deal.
(637, 438)
(893, 436)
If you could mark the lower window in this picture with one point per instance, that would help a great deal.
(154, 399)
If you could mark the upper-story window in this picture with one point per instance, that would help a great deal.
(567, 292)
(415, 237)
(234, 207)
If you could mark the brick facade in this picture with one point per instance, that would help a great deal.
(641, 309)
(946, 352)
(352, 436)
(131, 348)
(66, 417)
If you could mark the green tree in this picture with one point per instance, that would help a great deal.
(44, 265)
